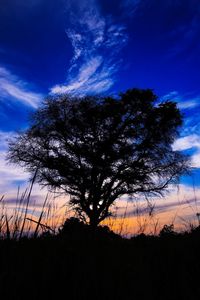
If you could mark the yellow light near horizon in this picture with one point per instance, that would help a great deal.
(130, 218)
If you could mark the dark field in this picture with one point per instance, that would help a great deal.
(85, 264)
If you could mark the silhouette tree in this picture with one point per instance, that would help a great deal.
(97, 149)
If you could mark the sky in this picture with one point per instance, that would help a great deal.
(100, 47)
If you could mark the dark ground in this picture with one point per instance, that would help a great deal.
(100, 265)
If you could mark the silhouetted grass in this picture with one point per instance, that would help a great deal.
(74, 261)
(79, 263)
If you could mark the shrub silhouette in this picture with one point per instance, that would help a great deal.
(74, 228)
(195, 230)
(167, 230)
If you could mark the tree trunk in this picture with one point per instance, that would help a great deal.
(94, 221)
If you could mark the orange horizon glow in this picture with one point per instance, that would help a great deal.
(129, 217)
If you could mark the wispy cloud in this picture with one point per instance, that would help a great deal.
(4, 136)
(185, 36)
(163, 206)
(190, 138)
(179, 199)
(13, 88)
(189, 104)
(190, 142)
(96, 41)
(183, 102)
(179, 207)
(187, 142)
(8, 174)
(13, 176)
(196, 159)
(130, 6)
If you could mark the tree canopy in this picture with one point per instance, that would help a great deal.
(97, 149)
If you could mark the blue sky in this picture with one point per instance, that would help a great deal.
(96, 47)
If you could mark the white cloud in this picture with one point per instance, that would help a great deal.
(4, 136)
(189, 142)
(14, 180)
(8, 173)
(13, 176)
(96, 42)
(182, 103)
(190, 131)
(189, 104)
(173, 95)
(85, 73)
(14, 89)
(87, 80)
(196, 159)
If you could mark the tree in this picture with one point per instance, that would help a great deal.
(97, 149)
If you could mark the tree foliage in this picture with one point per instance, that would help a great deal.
(97, 149)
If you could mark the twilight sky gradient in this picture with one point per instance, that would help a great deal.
(99, 46)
